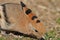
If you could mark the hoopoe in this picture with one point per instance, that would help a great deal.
(17, 17)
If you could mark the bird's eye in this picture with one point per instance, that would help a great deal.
(36, 31)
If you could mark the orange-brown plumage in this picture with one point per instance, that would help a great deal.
(38, 26)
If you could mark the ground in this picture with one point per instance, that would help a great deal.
(49, 13)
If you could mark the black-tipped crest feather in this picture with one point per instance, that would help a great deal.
(22, 4)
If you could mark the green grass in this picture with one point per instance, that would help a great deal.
(50, 34)
(2, 38)
(58, 20)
